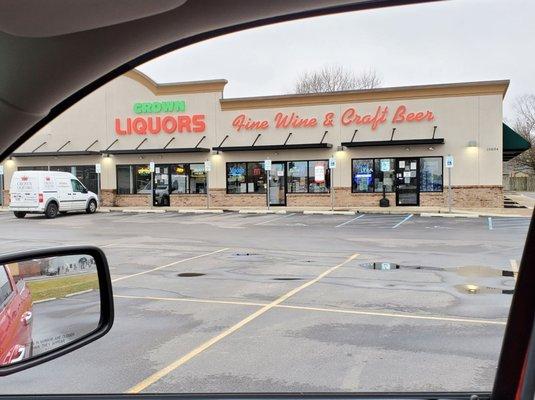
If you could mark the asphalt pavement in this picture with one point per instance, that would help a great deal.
(282, 303)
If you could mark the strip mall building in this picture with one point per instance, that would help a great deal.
(396, 139)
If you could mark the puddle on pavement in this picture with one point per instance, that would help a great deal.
(190, 274)
(480, 271)
(475, 289)
(469, 271)
(287, 279)
(387, 266)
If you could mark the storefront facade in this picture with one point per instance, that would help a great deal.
(392, 139)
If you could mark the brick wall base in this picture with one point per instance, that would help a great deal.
(220, 198)
(462, 197)
(188, 200)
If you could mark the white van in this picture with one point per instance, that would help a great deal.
(49, 192)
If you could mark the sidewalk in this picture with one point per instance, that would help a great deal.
(424, 211)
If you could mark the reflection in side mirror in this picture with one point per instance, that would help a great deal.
(51, 302)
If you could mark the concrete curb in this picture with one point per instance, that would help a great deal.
(310, 212)
(200, 211)
(262, 212)
(77, 293)
(505, 215)
(44, 300)
(449, 215)
(147, 211)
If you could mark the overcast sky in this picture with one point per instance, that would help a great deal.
(453, 41)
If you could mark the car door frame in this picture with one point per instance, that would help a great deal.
(513, 360)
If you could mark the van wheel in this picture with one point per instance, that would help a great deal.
(51, 211)
(19, 214)
(91, 207)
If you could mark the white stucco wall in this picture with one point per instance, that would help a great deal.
(459, 119)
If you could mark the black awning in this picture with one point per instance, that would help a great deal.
(158, 151)
(56, 153)
(407, 142)
(275, 147)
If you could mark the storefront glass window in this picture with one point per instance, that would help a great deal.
(431, 174)
(197, 178)
(318, 177)
(362, 175)
(124, 179)
(256, 178)
(236, 173)
(142, 179)
(179, 179)
(387, 178)
(297, 176)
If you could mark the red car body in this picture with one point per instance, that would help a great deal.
(15, 318)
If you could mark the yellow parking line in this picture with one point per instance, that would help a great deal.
(169, 265)
(331, 310)
(184, 359)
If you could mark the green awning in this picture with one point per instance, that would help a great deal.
(513, 143)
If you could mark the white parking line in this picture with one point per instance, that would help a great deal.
(168, 265)
(377, 313)
(275, 219)
(405, 219)
(351, 220)
(514, 266)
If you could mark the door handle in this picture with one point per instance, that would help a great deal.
(21, 351)
(27, 317)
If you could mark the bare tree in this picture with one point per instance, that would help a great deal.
(524, 124)
(335, 78)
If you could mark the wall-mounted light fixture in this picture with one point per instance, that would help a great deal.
(472, 143)
(341, 148)
(431, 148)
(408, 148)
(215, 152)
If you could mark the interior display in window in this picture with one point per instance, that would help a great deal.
(431, 174)
(384, 173)
(179, 179)
(142, 179)
(318, 176)
(256, 178)
(297, 176)
(362, 175)
(197, 178)
(236, 173)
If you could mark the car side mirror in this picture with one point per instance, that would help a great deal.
(84, 190)
(52, 302)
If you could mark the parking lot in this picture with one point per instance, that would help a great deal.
(251, 303)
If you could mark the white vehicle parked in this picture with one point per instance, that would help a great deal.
(49, 193)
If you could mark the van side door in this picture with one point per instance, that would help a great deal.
(79, 195)
(65, 194)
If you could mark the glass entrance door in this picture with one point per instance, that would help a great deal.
(407, 188)
(277, 185)
(160, 191)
